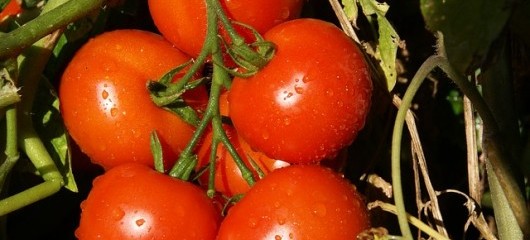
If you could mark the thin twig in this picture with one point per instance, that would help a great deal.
(343, 20)
(414, 221)
(473, 173)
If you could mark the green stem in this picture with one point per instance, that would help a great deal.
(12, 154)
(29, 196)
(220, 76)
(211, 168)
(32, 64)
(416, 82)
(227, 24)
(15, 41)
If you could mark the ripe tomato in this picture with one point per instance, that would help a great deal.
(183, 22)
(297, 202)
(228, 179)
(12, 8)
(132, 201)
(105, 103)
(312, 98)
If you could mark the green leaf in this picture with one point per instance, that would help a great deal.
(3, 4)
(469, 27)
(388, 40)
(49, 126)
(504, 217)
(351, 10)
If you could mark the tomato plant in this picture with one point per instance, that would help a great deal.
(12, 8)
(228, 179)
(105, 103)
(297, 202)
(310, 101)
(184, 22)
(132, 201)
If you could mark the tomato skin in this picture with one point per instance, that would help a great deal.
(297, 202)
(106, 106)
(311, 99)
(183, 22)
(228, 179)
(132, 201)
(12, 8)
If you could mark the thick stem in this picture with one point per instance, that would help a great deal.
(15, 41)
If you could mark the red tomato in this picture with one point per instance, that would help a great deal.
(132, 201)
(12, 8)
(105, 103)
(228, 179)
(183, 22)
(297, 202)
(312, 98)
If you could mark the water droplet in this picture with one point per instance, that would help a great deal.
(113, 112)
(287, 121)
(252, 223)
(330, 93)
(281, 221)
(140, 222)
(117, 214)
(320, 210)
(277, 204)
(298, 89)
(104, 94)
(265, 135)
(277, 237)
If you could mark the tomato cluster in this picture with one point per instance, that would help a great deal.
(305, 105)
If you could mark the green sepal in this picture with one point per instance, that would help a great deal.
(156, 150)
(388, 39)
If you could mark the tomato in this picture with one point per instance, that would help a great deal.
(183, 22)
(312, 98)
(228, 179)
(12, 8)
(297, 202)
(132, 201)
(105, 103)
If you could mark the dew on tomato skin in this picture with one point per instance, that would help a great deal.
(277, 237)
(281, 221)
(104, 94)
(140, 222)
(252, 223)
(113, 112)
(319, 210)
(265, 135)
(287, 121)
(298, 89)
(117, 213)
